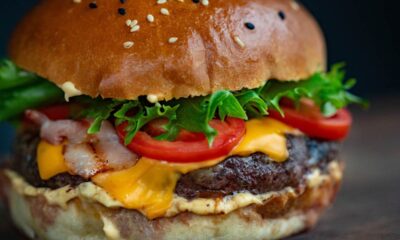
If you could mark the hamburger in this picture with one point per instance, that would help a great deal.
(171, 120)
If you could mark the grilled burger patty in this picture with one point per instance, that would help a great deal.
(256, 173)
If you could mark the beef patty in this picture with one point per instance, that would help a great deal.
(256, 173)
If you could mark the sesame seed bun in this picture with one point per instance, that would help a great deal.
(283, 215)
(176, 49)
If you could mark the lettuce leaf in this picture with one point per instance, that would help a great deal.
(328, 90)
(194, 114)
(20, 90)
(11, 76)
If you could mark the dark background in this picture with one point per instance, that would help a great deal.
(364, 34)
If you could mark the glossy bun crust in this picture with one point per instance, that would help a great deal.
(66, 41)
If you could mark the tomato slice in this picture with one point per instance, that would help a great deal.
(184, 150)
(56, 112)
(156, 128)
(308, 119)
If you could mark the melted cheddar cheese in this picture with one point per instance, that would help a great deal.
(50, 160)
(149, 185)
(264, 135)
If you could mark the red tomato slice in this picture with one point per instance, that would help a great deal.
(309, 120)
(155, 128)
(56, 112)
(230, 132)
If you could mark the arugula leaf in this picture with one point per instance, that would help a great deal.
(227, 105)
(143, 116)
(100, 111)
(327, 90)
(252, 103)
(195, 114)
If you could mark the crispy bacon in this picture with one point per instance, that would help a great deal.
(85, 155)
(82, 160)
(109, 147)
(56, 132)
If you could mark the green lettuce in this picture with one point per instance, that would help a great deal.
(20, 90)
(328, 90)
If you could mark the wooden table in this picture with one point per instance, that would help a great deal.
(368, 205)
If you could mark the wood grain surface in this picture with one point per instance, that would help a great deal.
(368, 205)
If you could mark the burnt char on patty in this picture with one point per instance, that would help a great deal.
(256, 173)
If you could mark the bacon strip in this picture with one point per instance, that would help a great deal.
(82, 160)
(56, 132)
(85, 155)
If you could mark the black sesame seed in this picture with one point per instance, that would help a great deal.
(196, 1)
(250, 25)
(282, 15)
(122, 1)
(92, 5)
(122, 11)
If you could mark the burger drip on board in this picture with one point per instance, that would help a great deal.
(172, 120)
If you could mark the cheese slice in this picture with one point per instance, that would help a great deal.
(265, 135)
(149, 185)
(50, 160)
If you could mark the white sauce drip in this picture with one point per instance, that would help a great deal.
(70, 90)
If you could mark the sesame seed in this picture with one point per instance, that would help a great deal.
(134, 22)
(92, 5)
(295, 5)
(131, 23)
(204, 2)
(128, 44)
(164, 11)
(121, 11)
(180, 1)
(172, 40)
(150, 18)
(282, 15)
(250, 25)
(135, 28)
(77, 1)
(239, 41)
(161, 1)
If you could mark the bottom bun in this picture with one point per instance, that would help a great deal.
(279, 217)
